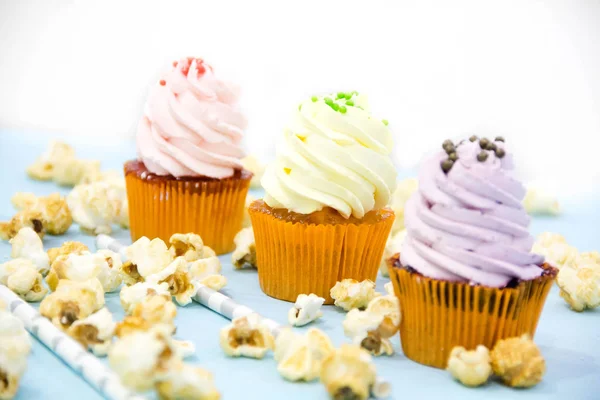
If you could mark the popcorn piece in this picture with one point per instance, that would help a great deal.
(306, 309)
(518, 362)
(348, 373)
(110, 270)
(131, 296)
(92, 208)
(363, 328)
(245, 249)
(389, 308)
(27, 283)
(252, 164)
(189, 246)
(392, 247)
(247, 222)
(186, 382)
(10, 267)
(349, 293)
(56, 216)
(179, 282)
(27, 244)
(580, 284)
(156, 309)
(300, 357)
(95, 332)
(146, 257)
(26, 218)
(555, 249)
(43, 167)
(92, 175)
(206, 271)
(75, 267)
(131, 325)
(403, 191)
(23, 200)
(72, 301)
(471, 368)
(15, 346)
(66, 249)
(538, 201)
(72, 171)
(389, 288)
(246, 337)
(143, 358)
(117, 196)
(184, 348)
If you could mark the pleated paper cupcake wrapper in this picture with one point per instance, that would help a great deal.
(213, 209)
(439, 315)
(297, 258)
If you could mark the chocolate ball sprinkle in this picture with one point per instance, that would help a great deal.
(483, 143)
(473, 138)
(453, 156)
(447, 165)
(482, 156)
(491, 146)
(500, 152)
(447, 143)
(499, 139)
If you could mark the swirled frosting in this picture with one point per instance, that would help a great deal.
(334, 154)
(468, 224)
(191, 125)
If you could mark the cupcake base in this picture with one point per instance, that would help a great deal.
(439, 315)
(299, 254)
(160, 206)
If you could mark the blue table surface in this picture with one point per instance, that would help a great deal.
(569, 341)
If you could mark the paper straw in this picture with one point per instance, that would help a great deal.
(228, 308)
(98, 375)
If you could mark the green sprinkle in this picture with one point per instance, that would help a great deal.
(343, 109)
(335, 107)
(314, 99)
(328, 101)
(385, 122)
(341, 95)
(299, 107)
(348, 96)
(349, 103)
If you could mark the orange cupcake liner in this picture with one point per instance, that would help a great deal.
(439, 315)
(295, 258)
(213, 209)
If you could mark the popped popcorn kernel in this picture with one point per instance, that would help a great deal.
(146, 257)
(65, 249)
(186, 382)
(206, 271)
(27, 244)
(245, 249)
(156, 309)
(403, 191)
(471, 368)
(10, 267)
(246, 337)
(91, 208)
(300, 357)
(71, 172)
(27, 283)
(74, 267)
(388, 307)
(15, 346)
(94, 332)
(131, 296)
(555, 249)
(392, 247)
(189, 246)
(389, 288)
(130, 325)
(110, 270)
(43, 167)
(580, 284)
(72, 301)
(23, 200)
(348, 373)
(540, 202)
(518, 361)
(141, 359)
(252, 164)
(363, 327)
(178, 280)
(306, 309)
(349, 293)
(55, 214)
(22, 219)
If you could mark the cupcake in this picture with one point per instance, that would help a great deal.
(465, 274)
(188, 176)
(324, 215)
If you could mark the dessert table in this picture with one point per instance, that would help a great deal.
(569, 341)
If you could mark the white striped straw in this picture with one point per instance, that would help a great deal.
(98, 375)
(228, 308)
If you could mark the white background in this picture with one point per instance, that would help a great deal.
(528, 70)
